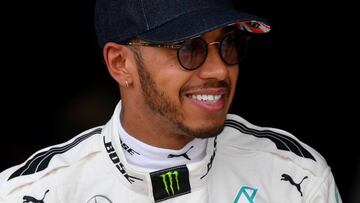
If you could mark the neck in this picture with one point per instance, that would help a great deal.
(153, 158)
(151, 128)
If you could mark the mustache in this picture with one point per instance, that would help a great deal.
(208, 84)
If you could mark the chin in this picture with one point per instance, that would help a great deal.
(203, 129)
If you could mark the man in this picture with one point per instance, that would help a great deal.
(171, 138)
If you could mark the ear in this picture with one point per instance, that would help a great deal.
(117, 59)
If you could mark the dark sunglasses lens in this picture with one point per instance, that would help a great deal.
(192, 53)
(233, 48)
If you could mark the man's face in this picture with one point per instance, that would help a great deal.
(194, 103)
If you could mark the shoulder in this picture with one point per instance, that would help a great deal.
(239, 133)
(46, 161)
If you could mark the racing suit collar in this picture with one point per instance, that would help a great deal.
(139, 179)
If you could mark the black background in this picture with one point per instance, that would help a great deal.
(298, 78)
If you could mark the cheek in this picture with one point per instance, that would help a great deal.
(171, 81)
(168, 75)
(233, 77)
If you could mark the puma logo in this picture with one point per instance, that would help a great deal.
(184, 154)
(286, 177)
(29, 199)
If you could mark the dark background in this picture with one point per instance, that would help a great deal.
(298, 78)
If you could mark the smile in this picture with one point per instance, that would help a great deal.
(210, 102)
(206, 97)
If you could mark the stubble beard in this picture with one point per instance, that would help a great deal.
(160, 103)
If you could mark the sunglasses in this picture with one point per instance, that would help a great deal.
(192, 53)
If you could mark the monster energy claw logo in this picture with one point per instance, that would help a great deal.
(170, 182)
(171, 176)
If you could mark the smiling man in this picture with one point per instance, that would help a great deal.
(171, 138)
(169, 94)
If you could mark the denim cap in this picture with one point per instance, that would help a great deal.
(164, 21)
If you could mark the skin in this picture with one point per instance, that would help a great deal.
(157, 106)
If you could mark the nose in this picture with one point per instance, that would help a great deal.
(213, 67)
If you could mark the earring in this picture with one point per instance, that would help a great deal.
(126, 84)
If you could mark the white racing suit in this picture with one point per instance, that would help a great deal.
(243, 164)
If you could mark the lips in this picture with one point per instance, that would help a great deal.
(208, 99)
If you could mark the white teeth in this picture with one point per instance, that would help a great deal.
(208, 98)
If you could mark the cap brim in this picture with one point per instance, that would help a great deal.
(201, 21)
